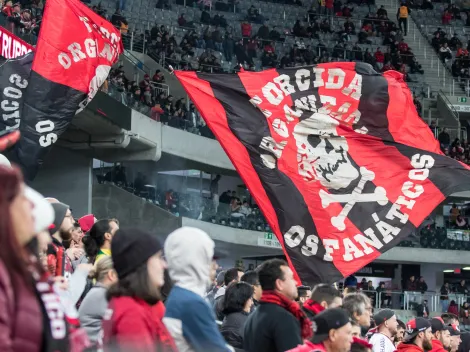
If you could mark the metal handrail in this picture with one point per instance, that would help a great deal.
(450, 107)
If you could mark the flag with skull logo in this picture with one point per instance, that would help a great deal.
(335, 156)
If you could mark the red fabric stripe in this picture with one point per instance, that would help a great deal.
(405, 125)
(216, 119)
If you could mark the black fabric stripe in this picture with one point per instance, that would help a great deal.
(447, 174)
(374, 103)
(287, 201)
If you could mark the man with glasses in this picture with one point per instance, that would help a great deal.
(58, 262)
(359, 307)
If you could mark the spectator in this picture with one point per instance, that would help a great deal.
(333, 333)
(446, 18)
(251, 277)
(454, 338)
(402, 17)
(98, 241)
(381, 12)
(218, 283)
(462, 288)
(422, 286)
(94, 306)
(444, 298)
(59, 261)
(359, 308)
(205, 17)
(445, 53)
(304, 293)
(386, 327)
(135, 310)
(278, 324)
(418, 336)
(379, 58)
(453, 308)
(323, 297)
(385, 300)
(237, 306)
(214, 188)
(440, 335)
(117, 19)
(444, 138)
(465, 314)
(232, 275)
(422, 310)
(246, 29)
(190, 255)
(400, 333)
(411, 284)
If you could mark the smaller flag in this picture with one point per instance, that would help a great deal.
(74, 54)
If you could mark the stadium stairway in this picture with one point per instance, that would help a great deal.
(435, 73)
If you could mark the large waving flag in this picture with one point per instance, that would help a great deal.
(74, 54)
(335, 155)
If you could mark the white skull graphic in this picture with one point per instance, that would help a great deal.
(101, 73)
(322, 153)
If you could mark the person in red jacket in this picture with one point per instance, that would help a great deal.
(418, 336)
(333, 333)
(135, 311)
(440, 335)
(379, 58)
(246, 29)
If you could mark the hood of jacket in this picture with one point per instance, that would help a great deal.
(220, 292)
(189, 252)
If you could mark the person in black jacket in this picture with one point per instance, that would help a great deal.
(422, 285)
(278, 324)
(237, 306)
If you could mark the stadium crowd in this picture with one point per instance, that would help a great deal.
(69, 284)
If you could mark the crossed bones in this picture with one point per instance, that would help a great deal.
(379, 196)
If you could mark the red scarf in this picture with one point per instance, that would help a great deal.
(313, 306)
(292, 307)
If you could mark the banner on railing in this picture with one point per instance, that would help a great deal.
(458, 235)
(11, 46)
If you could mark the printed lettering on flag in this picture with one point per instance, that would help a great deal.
(335, 156)
(11, 46)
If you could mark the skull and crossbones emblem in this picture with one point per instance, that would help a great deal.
(322, 156)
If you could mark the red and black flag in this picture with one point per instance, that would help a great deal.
(335, 156)
(14, 79)
(74, 54)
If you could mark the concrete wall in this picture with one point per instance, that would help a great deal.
(193, 147)
(112, 202)
(67, 176)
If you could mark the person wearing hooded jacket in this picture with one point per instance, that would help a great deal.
(189, 318)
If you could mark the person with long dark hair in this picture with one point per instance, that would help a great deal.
(237, 306)
(32, 315)
(97, 242)
(135, 311)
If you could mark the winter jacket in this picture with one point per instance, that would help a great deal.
(454, 309)
(271, 328)
(437, 346)
(188, 317)
(408, 347)
(21, 322)
(219, 304)
(444, 293)
(232, 329)
(422, 287)
(92, 311)
(134, 323)
(465, 315)
(411, 286)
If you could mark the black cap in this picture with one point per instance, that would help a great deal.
(130, 248)
(437, 324)
(60, 210)
(382, 316)
(454, 330)
(414, 327)
(327, 320)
